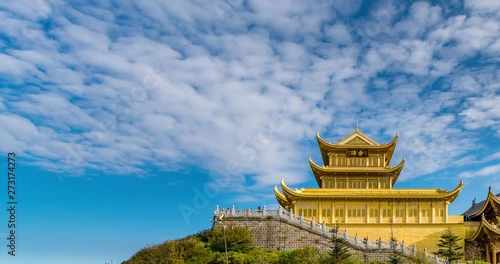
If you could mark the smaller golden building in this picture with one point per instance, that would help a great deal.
(482, 222)
(356, 191)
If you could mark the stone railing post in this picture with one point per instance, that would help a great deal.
(233, 212)
(248, 212)
(280, 212)
(290, 216)
(345, 234)
(425, 251)
(264, 212)
(323, 227)
(436, 260)
(414, 250)
(403, 247)
(302, 218)
(379, 242)
(356, 239)
(312, 223)
(367, 241)
(216, 210)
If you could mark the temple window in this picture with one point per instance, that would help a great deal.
(374, 215)
(439, 215)
(412, 215)
(357, 185)
(400, 215)
(426, 215)
(372, 185)
(326, 212)
(356, 215)
(386, 215)
(339, 215)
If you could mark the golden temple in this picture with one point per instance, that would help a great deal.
(356, 192)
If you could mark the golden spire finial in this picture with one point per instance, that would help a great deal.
(357, 124)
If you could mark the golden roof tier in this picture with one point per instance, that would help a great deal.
(289, 195)
(352, 145)
(327, 173)
(488, 206)
(486, 229)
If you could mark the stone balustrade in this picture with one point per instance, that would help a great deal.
(322, 230)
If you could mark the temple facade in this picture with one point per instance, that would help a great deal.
(482, 225)
(356, 192)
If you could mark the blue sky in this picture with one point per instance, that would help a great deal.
(131, 121)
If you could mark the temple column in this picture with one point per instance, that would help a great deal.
(406, 212)
(446, 212)
(320, 213)
(488, 253)
(332, 212)
(419, 212)
(330, 160)
(323, 182)
(432, 212)
(494, 259)
(393, 217)
(345, 212)
(367, 212)
(379, 213)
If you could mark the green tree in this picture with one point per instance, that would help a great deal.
(305, 255)
(448, 246)
(186, 250)
(238, 239)
(262, 255)
(339, 253)
(395, 259)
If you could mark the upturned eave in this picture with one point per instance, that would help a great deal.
(491, 200)
(485, 228)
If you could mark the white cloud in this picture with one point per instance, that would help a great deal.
(493, 170)
(483, 112)
(242, 84)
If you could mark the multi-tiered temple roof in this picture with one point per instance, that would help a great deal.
(357, 168)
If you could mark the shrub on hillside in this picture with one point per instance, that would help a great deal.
(190, 249)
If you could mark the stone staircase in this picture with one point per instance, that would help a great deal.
(283, 230)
